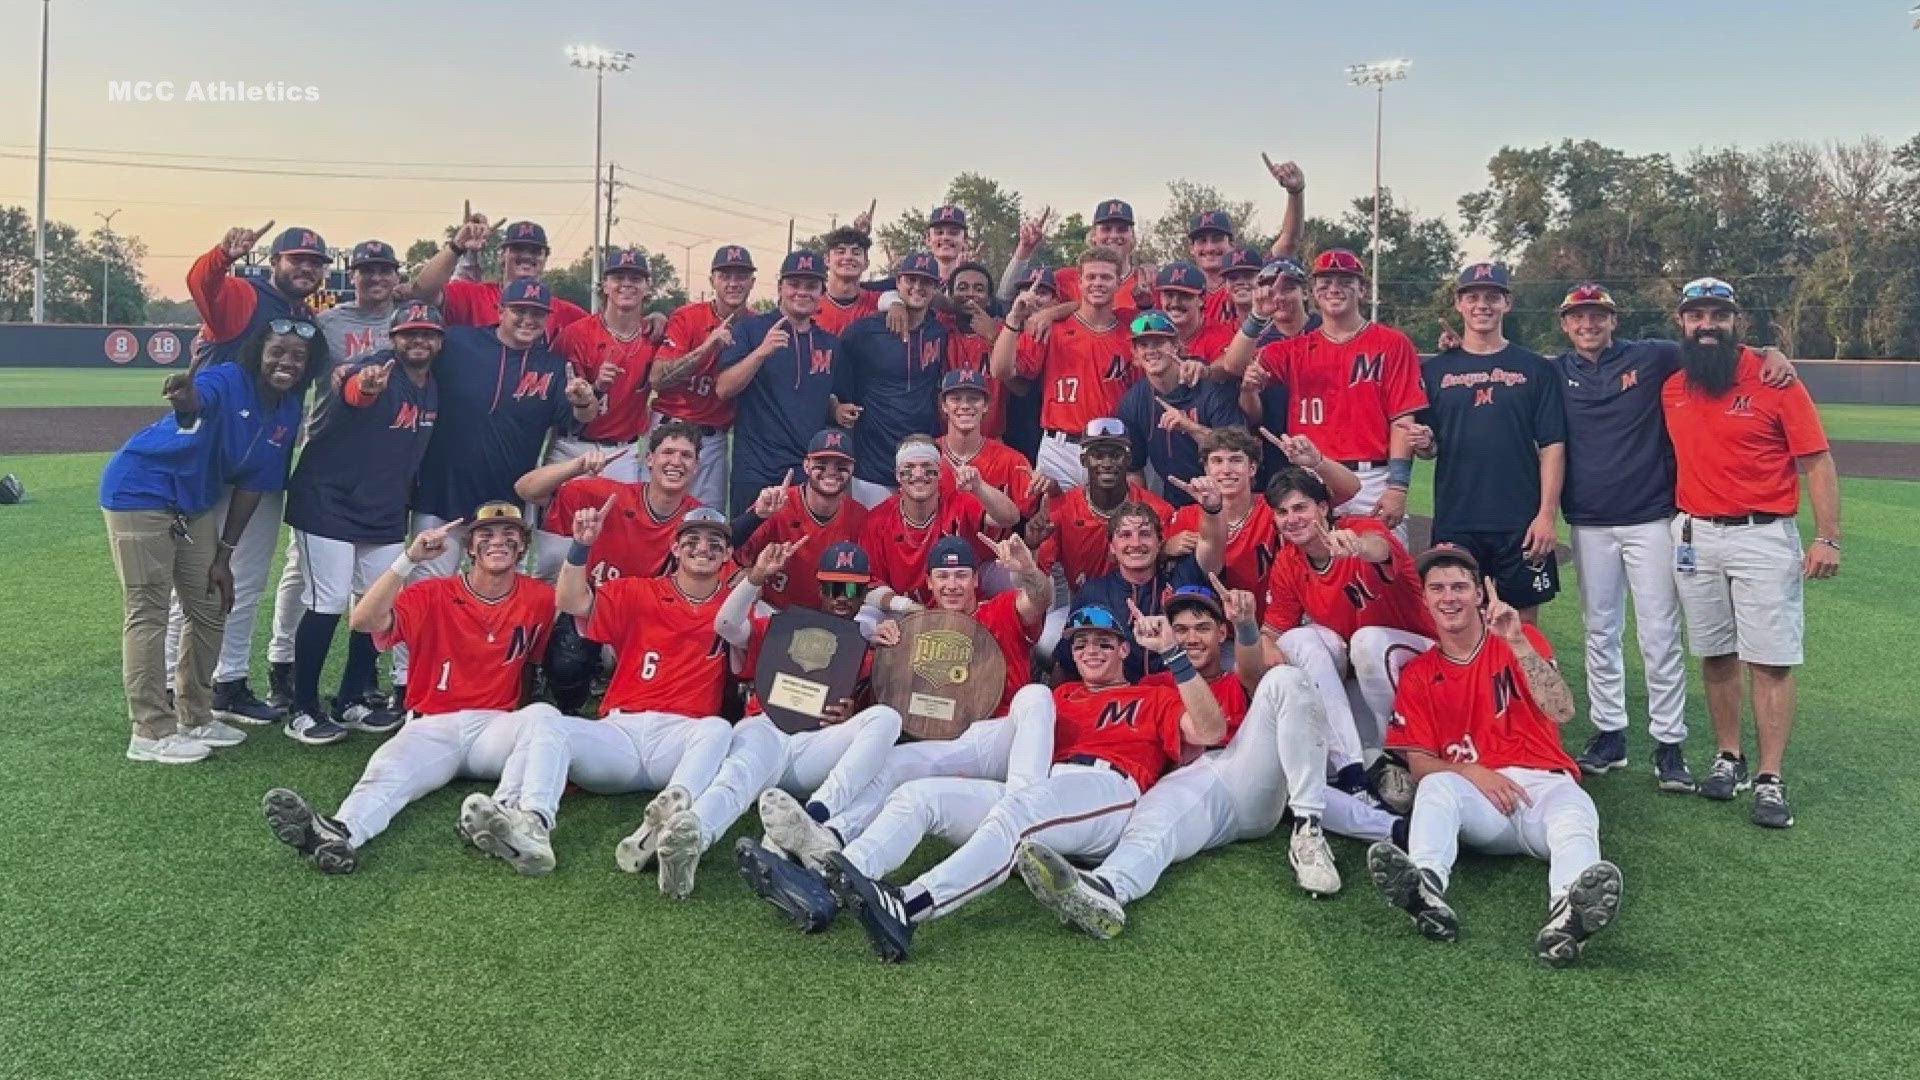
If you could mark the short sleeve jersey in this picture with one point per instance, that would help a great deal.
(589, 344)
(1252, 547)
(633, 542)
(1227, 689)
(1345, 395)
(1132, 727)
(1081, 372)
(668, 656)
(798, 585)
(1478, 710)
(836, 315)
(496, 407)
(1079, 540)
(469, 652)
(1736, 452)
(692, 400)
(1000, 617)
(899, 548)
(1351, 592)
(1490, 415)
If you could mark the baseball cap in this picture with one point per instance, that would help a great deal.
(1210, 221)
(1284, 268)
(627, 259)
(704, 517)
(732, 257)
(1452, 553)
(1484, 275)
(1338, 261)
(298, 241)
(845, 561)
(1094, 617)
(500, 512)
(1243, 260)
(1588, 294)
(1040, 277)
(803, 263)
(529, 291)
(1181, 277)
(830, 442)
(524, 234)
(1104, 430)
(372, 253)
(947, 215)
(416, 315)
(918, 264)
(964, 379)
(1113, 210)
(1701, 292)
(1199, 596)
(1153, 324)
(951, 552)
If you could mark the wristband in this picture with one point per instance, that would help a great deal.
(1254, 326)
(1400, 473)
(1246, 634)
(1827, 540)
(402, 565)
(577, 554)
(1010, 326)
(1179, 665)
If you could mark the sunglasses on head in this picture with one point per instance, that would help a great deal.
(1707, 290)
(303, 330)
(842, 590)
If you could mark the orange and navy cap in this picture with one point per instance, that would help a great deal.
(524, 234)
(527, 291)
(1484, 275)
(705, 517)
(952, 552)
(947, 215)
(416, 315)
(372, 253)
(964, 379)
(298, 241)
(1113, 210)
(1242, 261)
(1338, 261)
(803, 263)
(845, 561)
(1588, 294)
(918, 264)
(830, 442)
(632, 260)
(1211, 221)
(732, 257)
(1180, 277)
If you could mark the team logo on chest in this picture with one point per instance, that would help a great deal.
(410, 418)
(518, 645)
(1366, 369)
(1483, 396)
(1503, 691)
(1359, 594)
(1742, 406)
(1629, 379)
(533, 384)
(1116, 369)
(820, 362)
(1115, 713)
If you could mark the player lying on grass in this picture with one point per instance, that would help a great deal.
(1478, 717)
(472, 636)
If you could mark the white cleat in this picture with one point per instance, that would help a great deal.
(793, 831)
(633, 854)
(513, 834)
(1067, 892)
(215, 734)
(176, 748)
(679, 854)
(1312, 859)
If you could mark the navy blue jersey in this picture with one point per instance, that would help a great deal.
(898, 384)
(496, 407)
(356, 472)
(1213, 402)
(1112, 592)
(788, 400)
(1620, 468)
(1490, 415)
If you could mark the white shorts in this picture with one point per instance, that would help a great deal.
(336, 571)
(1745, 593)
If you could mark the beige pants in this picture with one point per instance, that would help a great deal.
(153, 564)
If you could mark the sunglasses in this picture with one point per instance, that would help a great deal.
(1707, 290)
(303, 330)
(842, 590)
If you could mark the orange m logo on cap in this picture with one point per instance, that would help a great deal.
(845, 559)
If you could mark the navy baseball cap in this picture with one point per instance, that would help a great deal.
(529, 291)
(732, 257)
(298, 241)
(524, 234)
(1181, 277)
(918, 264)
(803, 263)
(1040, 277)
(1094, 617)
(705, 517)
(950, 552)
(372, 253)
(632, 259)
(1484, 275)
(1198, 596)
(1242, 260)
(416, 315)
(1211, 221)
(845, 561)
(1106, 429)
(1153, 324)
(830, 442)
(947, 215)
(964, 379)
(1113, 210)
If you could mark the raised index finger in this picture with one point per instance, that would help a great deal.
(1133, 609)
(1266, 160)
(1493, 594)
(1219, 587)
(1272, 438)
(264, 229)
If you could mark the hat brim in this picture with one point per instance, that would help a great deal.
(1609, 308)
(1102, 440)
(842, 576)
(535, 304)
(303, 251)
(361, 264)
(1465, 285)
(1195, 234)
(417, 326)
(1208, 604)
(1188, 289)
(841, 454)
(725, 531)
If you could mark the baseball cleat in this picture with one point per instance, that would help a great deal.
(1586, 909)
(234, 702)
(321, 839)
(679, 854)
(215, 734)
(1727, 777)
(1770, 809)
(799, 893)
(1394, 782)
(364, 716)
(513, 834)
(880, 906)
(1075, 898)
(1605, 752)
(174, 748)
(1353, 779)
(1312, 859)
(313, 730)
(634, 853)
(791, 829)
(1413, 890)
(280, 685)
(1670, 770)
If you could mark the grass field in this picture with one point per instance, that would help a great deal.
(149, 926)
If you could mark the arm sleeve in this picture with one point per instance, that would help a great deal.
(349, 386)
(1539, 640)
(1139, 430)
(1030, 357)
(675, 341)
(1411, 726)
(1283, 601)
(558, 516)
(225, 302)
(1220, 405)
(734, 623)
(465, 303)
(846, 381)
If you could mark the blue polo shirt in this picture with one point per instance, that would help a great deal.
(356, 472)
(1620, 467)
(897, 383)
(1213, 402)
(235, 440)
(496, 407)
(1490, 416)
(788, 400)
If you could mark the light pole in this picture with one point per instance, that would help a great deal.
(1377, 75)
(40, 200)
(106, 252)
(599, 61)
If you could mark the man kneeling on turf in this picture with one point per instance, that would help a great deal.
(472, 636)
(1477, 718)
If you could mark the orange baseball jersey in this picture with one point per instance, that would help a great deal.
(468, 652)
(899, 548)
(1218, 310)
(1066, 285)
(1081, 372)
(1000, 465)
(1478, 710)
(798, 585)
(1135, 728)
(1000, 617)
(1211, 342)
(1351, 592)
(1736, 452)
(634, 542)
(693, 400)
(1227, 689)
(667, 655)
(477, 303)
(1346, 394)
(968, 351)
(1079, 539)
(1252, 546)
(836, 316)
(589, 345)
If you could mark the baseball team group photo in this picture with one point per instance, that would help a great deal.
(1070, 629)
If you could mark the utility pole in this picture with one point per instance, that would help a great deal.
(599, 61)
(1377, 75)
(106, 258)
(40, 199)
(606, 236)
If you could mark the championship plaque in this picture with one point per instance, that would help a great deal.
(946, 673)
(809, 660)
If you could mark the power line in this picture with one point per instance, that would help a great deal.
(304, 174)
(384, 163)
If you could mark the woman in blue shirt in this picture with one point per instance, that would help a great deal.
(232, 425)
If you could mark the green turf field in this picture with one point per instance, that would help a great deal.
(151, 926)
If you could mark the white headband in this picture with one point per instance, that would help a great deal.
(915, 453)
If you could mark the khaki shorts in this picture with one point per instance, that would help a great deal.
(1745, 593)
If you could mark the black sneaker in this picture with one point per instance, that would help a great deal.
(1605, 752)
(235, 703)
(881, 907)
(317, 837)
(1727, 778)
(314, 729)
(1670, 767)
(365, 716)
(1770, 809)
(1413, 890)
(280, 685)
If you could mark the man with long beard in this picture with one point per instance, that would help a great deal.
(1737, 554)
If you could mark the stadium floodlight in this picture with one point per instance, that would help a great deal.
(1377, 75)
(599, 61)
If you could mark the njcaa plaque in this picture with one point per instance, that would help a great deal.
(809, 660)
(946, 673)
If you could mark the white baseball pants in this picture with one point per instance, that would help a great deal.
(1610, 561)
(334, 572)
(427, 754)
(1059, 457)
(828, 765)
(1560, 825)
(287, 608)
(624, 751)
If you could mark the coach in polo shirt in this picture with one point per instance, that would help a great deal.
(1740, 446)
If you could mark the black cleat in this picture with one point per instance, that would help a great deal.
(280, 686)
(1670, 770)
(798, 892)
(882, 909)
(1592, 903)
(1414, 891)
(1605, 752)
(234, 702)
(322, 840)
(1770, 809)
(1727, 777)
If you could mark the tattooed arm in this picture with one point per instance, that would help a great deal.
(1544, 682)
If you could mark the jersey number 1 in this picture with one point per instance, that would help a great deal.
(446, 671)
